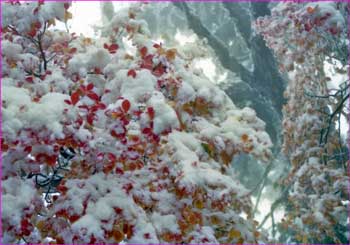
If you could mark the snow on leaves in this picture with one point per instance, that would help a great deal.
(298, 34)
(154, 139)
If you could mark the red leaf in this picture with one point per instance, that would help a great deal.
(90, 86)
(143, 51)
(28, 149)
(147, 62)
(119, 171)
(105, 45)
(29, 79)
(147, 131)
(90, 118)
(119, 136)
(137, 113)
(75, 97)
(37, 25)
(156, 45)
(113, 47)
(132, 73)
(32, 32)
(93, 96)
(102, 106)
(156, 138)
(111, 157)
(83, 107)
(114, 134)
(158, 71)
(66, 5)
(62, 188)
(126, 105)
(36, 10)
(37, 99)
(333, 30)
(128, 187)
(97, 70)
(51, 160)
(307, 27)
(150, 112)
(135, 138)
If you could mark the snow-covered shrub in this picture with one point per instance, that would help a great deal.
(124, 147)
(303, 37)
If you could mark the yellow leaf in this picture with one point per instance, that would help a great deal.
(198, 203)
(234, 234)
(201, 106)
(304, 240)
(41, 225)
(67, 16)
(87, 41)
(13, 65)
(215, 220)
(51, 22)
(128, 57)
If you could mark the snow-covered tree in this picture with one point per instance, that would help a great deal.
(117, 139)
(304, 38)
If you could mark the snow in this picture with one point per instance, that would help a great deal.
(12, 206)
(98, 58)
(93, 58)
(88, 226)
(11, 50)
(136, 89)
(20, 112)
(163, 223)
(146, 198)
(165, 116)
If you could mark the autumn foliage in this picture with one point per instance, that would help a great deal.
(102, 145)
(304, 37)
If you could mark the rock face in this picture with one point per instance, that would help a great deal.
(252, 75)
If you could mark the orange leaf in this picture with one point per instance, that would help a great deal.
(310, 10)
(72, 50)
(226, 158)
(170, 54)
(118, 235)
(244, 137)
